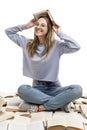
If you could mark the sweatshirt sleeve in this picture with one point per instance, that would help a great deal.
(67, 44)
(12, 33)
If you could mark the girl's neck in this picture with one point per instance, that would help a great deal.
(41, 40)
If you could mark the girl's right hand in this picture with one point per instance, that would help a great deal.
(31, 23)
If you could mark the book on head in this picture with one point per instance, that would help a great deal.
(43, 13)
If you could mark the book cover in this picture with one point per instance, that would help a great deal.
(44, 13)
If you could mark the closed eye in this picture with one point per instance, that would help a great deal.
(42, 24)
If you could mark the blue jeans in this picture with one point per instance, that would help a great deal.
(49, 94)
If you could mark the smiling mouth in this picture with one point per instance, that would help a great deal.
(38, 30)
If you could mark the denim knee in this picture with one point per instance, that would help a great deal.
(78, 91)
(22, 89)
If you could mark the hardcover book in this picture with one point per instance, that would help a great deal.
(44, 13)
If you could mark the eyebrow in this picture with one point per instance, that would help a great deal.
(41, 23)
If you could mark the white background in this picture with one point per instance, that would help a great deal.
(70, 14)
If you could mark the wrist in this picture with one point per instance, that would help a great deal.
(26, 26)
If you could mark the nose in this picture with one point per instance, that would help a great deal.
(38, 27)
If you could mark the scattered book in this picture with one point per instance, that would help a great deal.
(11, 118)
(24, 123)
(13, 109)
(84, 96)
(4, 125)
(25, 114)
(6, 95)
(6, 115)
(43, 115)
(1, 103)
(13, 101)
(83, 110)
(63, 121)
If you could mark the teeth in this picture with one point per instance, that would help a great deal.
(39, 31)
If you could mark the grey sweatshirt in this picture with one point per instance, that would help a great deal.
(36, 67)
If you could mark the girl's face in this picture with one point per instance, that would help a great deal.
(41, 28)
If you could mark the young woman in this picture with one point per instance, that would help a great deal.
(41, 57)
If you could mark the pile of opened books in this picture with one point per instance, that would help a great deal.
(11, 118)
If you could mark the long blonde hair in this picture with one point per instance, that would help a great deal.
(33, 43)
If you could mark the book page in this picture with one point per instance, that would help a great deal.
(21, 119)
(12, 109)
(5, 95)
(54, 124)
(44, 116)
(6, 115)
(37, 125)
(19, 123)
(70, 120)
(4, 125)
(24, 123)
(13, 101)
(83, 110)
(14, 126)
(1, 103)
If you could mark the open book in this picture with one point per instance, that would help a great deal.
(6, 115)
(6, 95)
(4, 125)
(1, 103)
(24, 123)
(83, 110)
(44, 13)
(62, 121)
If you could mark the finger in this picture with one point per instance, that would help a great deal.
(33, 20)
(57, 25)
